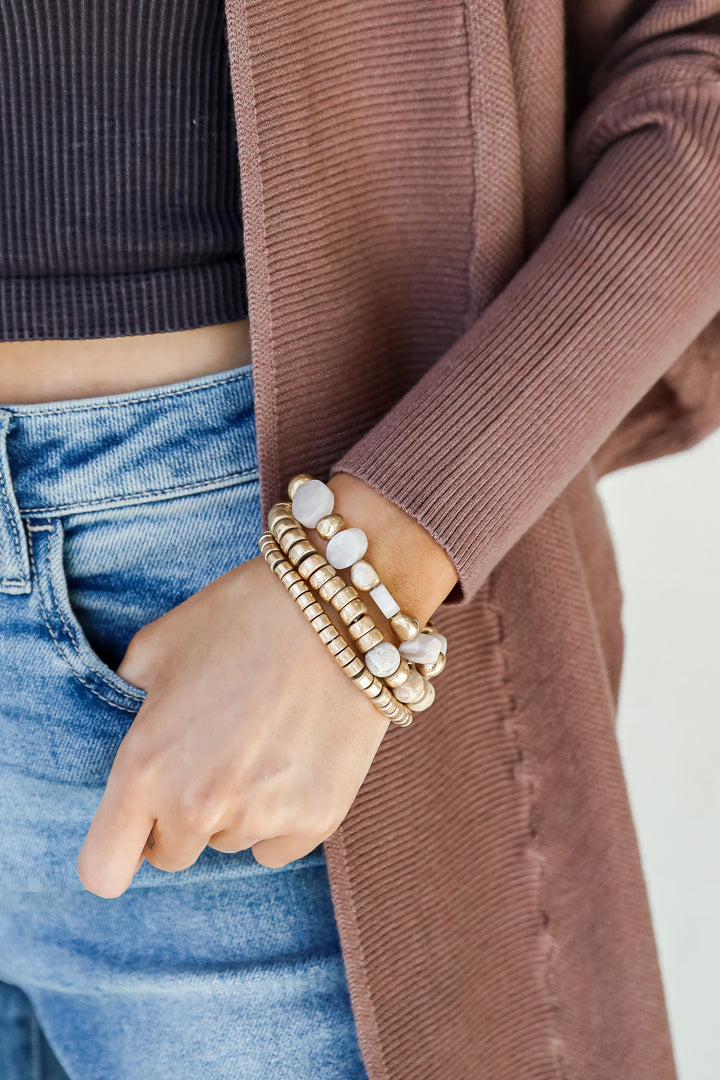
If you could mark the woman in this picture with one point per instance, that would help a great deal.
(472, 903)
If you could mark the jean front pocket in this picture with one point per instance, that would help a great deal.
(46, 543)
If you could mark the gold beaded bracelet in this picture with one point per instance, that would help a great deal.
(409, 685)
(306, 600)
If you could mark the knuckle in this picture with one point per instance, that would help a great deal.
(200, 809)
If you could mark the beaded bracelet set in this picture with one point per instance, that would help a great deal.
(396, 678)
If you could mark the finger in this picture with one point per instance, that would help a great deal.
(115, 841)
(169, 848)
(230, 841)
(281, 850)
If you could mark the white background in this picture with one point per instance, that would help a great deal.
(665, 520)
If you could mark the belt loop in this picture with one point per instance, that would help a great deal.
(14, 559)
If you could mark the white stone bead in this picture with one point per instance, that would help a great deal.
(385, 601)
(311, 501)
(363, 575)
(383, 659)
(412, 690)
(424, 649)
(441, 638)
(345, 547)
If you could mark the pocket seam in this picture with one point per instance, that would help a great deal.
(53, 636)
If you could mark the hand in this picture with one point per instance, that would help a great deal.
(250, 736)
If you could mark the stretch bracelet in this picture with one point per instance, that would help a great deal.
(409, 685)
(313, 504)
(353, 666)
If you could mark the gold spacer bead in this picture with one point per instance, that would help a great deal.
(400, 673)
(352, 610)
(299, 549)
(425, 701)
(405, 626)
(283, 567)
(345, 656)
(343, 597)
(429, 671)
(319, 577)
(321, 622)
(364, 678)
(281, 527)
(329, 633)
(297, 481)
(298, 588)
(290, 577)
(313, 610)
(337, 644)
(290, 537)
(305, 599)
(373, 637)
(375, 688)
(396, 711)
(354, 667)
(332, 586)
(279, 510)
(273, 558)
(406, 721)
(384, 698)
(309, 565)
(361, 626)
(330, 524)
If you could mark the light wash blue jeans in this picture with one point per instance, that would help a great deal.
(112, 511)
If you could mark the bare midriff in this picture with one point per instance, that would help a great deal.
(38, 371)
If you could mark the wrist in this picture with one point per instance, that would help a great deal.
(410, 563)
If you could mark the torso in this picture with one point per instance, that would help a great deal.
(36, 371)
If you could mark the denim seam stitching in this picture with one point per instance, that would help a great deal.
(58, 610)
(61, 654)
(201, 485)
(11, 516)
(30, 415)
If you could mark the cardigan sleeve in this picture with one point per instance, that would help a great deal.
(625, 279)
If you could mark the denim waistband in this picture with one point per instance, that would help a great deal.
(85, 454)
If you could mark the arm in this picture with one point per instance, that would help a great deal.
(624, 281)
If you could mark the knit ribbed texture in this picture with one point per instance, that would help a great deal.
(120, 211)
(477, 313)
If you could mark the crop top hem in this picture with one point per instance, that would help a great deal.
(80, 306)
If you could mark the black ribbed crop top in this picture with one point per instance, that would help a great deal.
(119, 180)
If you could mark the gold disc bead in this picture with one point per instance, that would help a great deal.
(372, 637)
(298, 481)
(277, 512)
(352, 610)
(364, 678)
(343, 597)
(330, 524)
(331, 587)
(291, 537)
(299, 588)
(308, 566)
(400, 674)
(290, 577)
(281, 526)
(298, 550)
(319, 577)
(405, 626)
(321, 622)
(361, 626)
(312, 610)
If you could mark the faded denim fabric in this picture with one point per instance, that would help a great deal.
(112, 511)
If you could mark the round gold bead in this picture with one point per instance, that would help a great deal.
(400, 673)
(405, 626)
(353, 610)
(299, 549)
(372, 637)
(309, 565)
(343, 597)
(363, 575)
(361, 626)
(330, 524)
(425, 701)
(412, 689)
(298, 588)
(429, 671)
(332, 586)
(298, 481)
(319, 577)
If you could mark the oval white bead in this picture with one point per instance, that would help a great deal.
(311, 501)
(383, 659)
(385, 601)
(423, 649)
(345, 547)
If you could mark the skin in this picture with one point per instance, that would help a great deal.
(250, 735)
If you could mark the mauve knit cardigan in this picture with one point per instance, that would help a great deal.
(483, 257)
